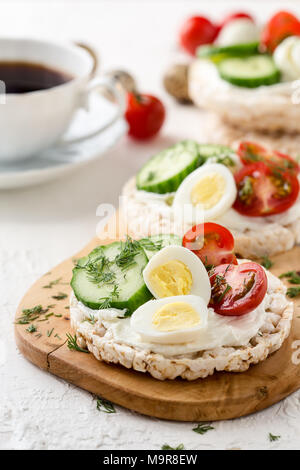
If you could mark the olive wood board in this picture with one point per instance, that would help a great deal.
(221, 396)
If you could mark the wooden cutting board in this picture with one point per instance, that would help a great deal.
(221, 396)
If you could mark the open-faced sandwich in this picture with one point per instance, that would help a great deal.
(178, 308)
(254, 193)
(251, 80)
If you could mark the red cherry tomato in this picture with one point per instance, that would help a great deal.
(264, 190)
(235, 16)
(237, 290)
(215, 243)
(250, 152)
(145, 115)
(196, 31)
(280, 26)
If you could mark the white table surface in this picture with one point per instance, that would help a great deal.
(42, 225)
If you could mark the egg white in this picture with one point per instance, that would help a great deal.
(182, 198)
(201, 284)
(286, 57)
(141, 321)
(238, 31)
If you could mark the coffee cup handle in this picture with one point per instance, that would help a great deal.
(100, 83)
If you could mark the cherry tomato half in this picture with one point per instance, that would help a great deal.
(250, 152)
(237, 290)
(196, 31)
(145, 115)
(215, 243)
(264, 190)
(279, 27)
(235, 16)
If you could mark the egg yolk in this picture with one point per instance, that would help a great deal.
(171, 278)
(175, 316)
(208, 190)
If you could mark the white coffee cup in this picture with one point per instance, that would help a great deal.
(31, 122)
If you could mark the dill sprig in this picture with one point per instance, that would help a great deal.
(105, 405)
(202, 428)
(167, 447)
(72, 344)
(49, 332)
(105, 302)
(91, 319)
(220, 287)
(95, 268)
(129, 250)
(273, 438)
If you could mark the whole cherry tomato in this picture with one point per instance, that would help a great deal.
(250, 152)
(145, 115)
(237, 289)
(235, 16)
(263, 190)
(215, 242)
(280, 26)
(196, 31)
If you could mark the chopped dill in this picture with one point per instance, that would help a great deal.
(30, 314)
(60, 296)
(293, 277)
(52, 283)
(49, 332)
(228, 287)
(273, 438)
(266, 262)
(202, 428)
(246, 189)
(105, 405)
(167, 447)
(293, 291)
(31, 329)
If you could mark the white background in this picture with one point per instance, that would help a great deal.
(41, 226)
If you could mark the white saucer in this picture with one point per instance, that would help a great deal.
(57, 161)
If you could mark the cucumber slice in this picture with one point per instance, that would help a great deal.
(153, 244)
(216, 53)
(250, 72)
(218, 154)
(164, 172)
(111, 276)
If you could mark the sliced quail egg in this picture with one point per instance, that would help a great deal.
(210, 191)
(176, 270)
(171, 320)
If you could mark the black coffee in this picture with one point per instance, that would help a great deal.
(23, 77)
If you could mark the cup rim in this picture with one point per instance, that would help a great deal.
(67, 46)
